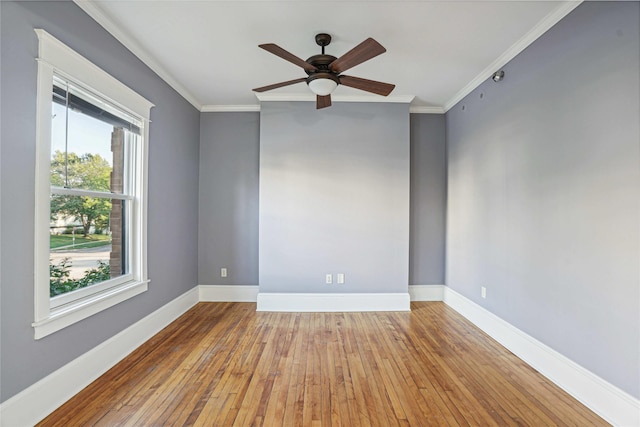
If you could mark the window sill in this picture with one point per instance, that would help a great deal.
(68, 314)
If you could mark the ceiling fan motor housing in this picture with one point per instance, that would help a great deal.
(322, 62)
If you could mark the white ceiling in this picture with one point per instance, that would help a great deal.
(437, 51)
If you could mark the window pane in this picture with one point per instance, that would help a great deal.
(82, 100)
(81, 158)
(86, 242)
(87, 151)
(90, 150)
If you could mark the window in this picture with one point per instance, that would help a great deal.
(90, 235)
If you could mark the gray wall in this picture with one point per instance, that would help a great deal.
(428, 199)
(334, 197)
(173, 190)
(228, 227)
(229, 183)
(543, 184)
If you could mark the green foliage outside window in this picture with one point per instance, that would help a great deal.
(60, 282)
(88, 172)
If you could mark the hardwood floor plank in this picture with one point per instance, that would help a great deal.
(427, 407)
(367, 381)
(224, 364)
(396, 369)
(275, 410)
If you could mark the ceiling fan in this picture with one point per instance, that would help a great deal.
(325, 71)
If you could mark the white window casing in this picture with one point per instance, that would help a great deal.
(55, 58)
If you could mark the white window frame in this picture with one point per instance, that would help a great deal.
(54, 57)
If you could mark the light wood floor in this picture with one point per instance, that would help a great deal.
(224, 364)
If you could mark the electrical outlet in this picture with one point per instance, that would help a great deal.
(329, 279)
(223, 272)
(340, 278)
(483, 292)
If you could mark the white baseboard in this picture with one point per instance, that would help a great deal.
(235, 293)
(333, 302)
(606, 400)
(426, 292)
(40, 399)
(228, 293)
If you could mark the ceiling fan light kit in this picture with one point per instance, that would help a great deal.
(322, 84)
(324, 71)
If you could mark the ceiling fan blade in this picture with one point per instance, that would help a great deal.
(277, 85)
(364, 51)
(372, 86)
(323, 101)
(288, 56)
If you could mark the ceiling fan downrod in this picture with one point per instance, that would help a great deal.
(322, 40)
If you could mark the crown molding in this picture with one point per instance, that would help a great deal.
(400, 99)
(123, 37)
(542, 27)
(421, 109)
(229, 108)
(418, 109)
